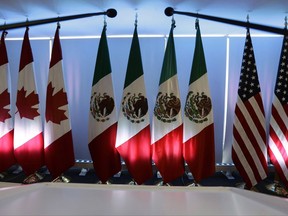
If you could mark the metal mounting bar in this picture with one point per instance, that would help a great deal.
(169, 11)
(110, 13)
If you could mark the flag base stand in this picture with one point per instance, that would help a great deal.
(278, 189)
(83, 172)
(61, 179)
(33, 178)
(189, 175)
(107, 182)
(158, 175)
(17, 170)
(117, 175)
(161, 183)
(242, 185)
(132, 183)
(194, 184)
(228, 175)
(2, 175)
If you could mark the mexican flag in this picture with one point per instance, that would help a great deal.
(58, 143)
(133, 134)
(28, 132)
(167, 127)
(199, 149)
(103, 117)
(6, 122)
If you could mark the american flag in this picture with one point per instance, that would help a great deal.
(278, 145)
(249, 150)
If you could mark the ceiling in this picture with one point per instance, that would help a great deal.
(150, 16)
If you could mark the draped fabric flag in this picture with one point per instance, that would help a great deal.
(249, 150)
(167, 127)
(28, 132)
(7, 158)
(278, 145)
(133, 133)
(102, 117)
(199, 147)
(58, 143)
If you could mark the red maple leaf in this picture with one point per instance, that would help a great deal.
(25, 104)
(53, 102)
(4, 101)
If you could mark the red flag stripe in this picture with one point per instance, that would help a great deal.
(279, 143)
(138, 158)
(253, 121)
(27, 57)
(56, 162)
(246, 155)
(195, 154)
(106, 159)
(248, 127)
(168, 155)
(7, 151)
(3, 51)
(281, 158)
(279, 117)
(57, 51)
(278, 137)
(278, 162)
(30, 155)
(243, 166)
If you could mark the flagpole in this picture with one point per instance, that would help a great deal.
(169, 11)
(110, 13)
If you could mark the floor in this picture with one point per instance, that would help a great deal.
(87, 175)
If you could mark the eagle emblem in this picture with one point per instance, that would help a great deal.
(134, 107)
(197, 107)
(101, 106)
(167, 107)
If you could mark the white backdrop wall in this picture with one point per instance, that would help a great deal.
(223, 59)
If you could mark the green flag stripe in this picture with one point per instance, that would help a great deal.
(134, 68)
(103, 66)
(169, 67)
(199, 64)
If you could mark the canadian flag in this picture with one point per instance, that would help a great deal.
(59, 151)
(28, 131)
(6, 122)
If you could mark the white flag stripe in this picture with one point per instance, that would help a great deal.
(125, 132)
(57, 130)
(200, 85)
(279, 133)
(3, 76)
(279, 156)
(24, 129)
(278, 106)
(102, 87)
(56, 76)
(24, 77)
(250, 148)
(244, 162)
(7, 125)
(158, 130)
(192, 128)
(251, 123)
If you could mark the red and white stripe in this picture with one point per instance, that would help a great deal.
(249, 148)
